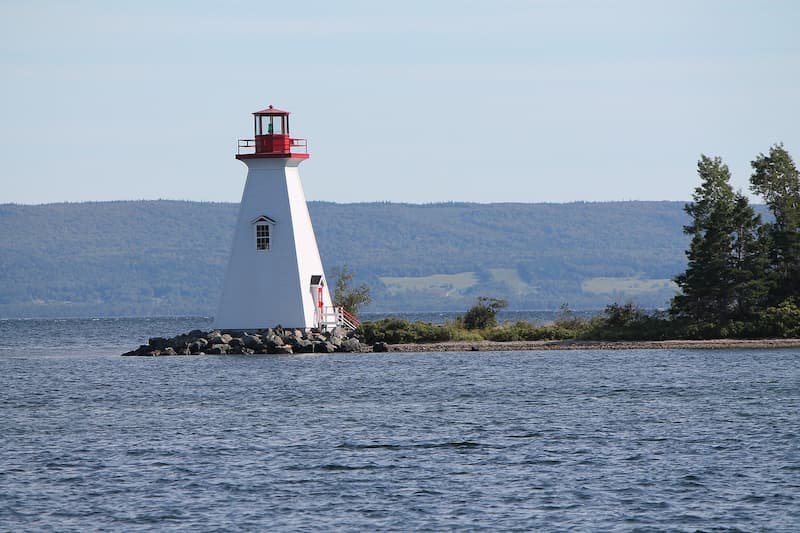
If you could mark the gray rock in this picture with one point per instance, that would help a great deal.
(339, 331)
(218, 349)
(350, 345)
(380, 347)
(273, 344)
(251, 341)
(141, 350)
(277, 340)
(283, 349)
(303, 346)
(323, 347)
(242, 350)
(222, 338)
(197, 346)
(259, 348)
(158, 342)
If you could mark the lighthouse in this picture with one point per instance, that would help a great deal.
(274, 274)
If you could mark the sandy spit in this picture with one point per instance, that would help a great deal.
(492, 346)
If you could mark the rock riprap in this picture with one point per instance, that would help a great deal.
(263, 341)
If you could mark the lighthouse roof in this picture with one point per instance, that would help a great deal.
(274, 111)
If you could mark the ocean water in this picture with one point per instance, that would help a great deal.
(579, 440)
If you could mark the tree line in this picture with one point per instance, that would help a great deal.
(743, 274)
(742, 277)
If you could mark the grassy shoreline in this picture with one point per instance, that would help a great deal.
(616, 324)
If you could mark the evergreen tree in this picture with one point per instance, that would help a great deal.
(722, 279)
(776, 178)
(750, 260)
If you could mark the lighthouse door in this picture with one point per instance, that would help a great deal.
(316, 294)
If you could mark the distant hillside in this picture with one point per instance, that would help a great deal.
(168, 257)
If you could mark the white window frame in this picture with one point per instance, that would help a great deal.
(263, 220)
(267, 237)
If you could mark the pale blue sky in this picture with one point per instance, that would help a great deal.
(413, 101)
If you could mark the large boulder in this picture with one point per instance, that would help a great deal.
(158, 342)
(380, 347)
(141, 350)
(241, 350)
(236, 342)
(218, 349)
(303, 346)
(339, 331)
(274, 344)
(251, 341)
(350, 345)
(277, 340)
(324, 347)
(260, 348)
(283, 349)
(198, 346)
(221, 338)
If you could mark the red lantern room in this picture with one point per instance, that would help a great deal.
(271, 137)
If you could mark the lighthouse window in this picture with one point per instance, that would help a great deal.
(262, 236)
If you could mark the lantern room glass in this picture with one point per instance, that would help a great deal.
(272, 125)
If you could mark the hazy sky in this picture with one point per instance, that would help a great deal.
(412, 101)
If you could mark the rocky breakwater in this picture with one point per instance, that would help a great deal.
(264, 341)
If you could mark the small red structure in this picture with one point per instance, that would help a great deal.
(271, 137)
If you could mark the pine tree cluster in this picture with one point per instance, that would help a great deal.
(743, 274)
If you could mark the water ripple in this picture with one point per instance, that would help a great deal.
(636, 440)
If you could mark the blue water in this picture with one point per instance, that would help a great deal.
(584, 440)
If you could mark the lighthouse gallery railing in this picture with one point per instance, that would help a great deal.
(248, 146)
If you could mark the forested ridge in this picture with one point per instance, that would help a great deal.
(139, 258)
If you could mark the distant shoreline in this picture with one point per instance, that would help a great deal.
(495, 346)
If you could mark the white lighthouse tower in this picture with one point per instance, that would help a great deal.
(274, 274)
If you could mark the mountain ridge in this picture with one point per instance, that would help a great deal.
(167, 257)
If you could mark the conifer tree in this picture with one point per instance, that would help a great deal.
(750, 259)
(722, 279)
(776, 178)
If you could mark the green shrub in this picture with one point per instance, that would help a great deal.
(483, 314)
(398, 331)
(782, 320)
(525, 331)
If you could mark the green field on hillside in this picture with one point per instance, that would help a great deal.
(633, 286)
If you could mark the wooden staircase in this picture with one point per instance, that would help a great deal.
(339, 317)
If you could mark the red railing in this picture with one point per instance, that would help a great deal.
(248, 146)
(350, 317)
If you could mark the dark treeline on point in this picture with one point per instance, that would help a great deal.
(742, 279)
(743, 274)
